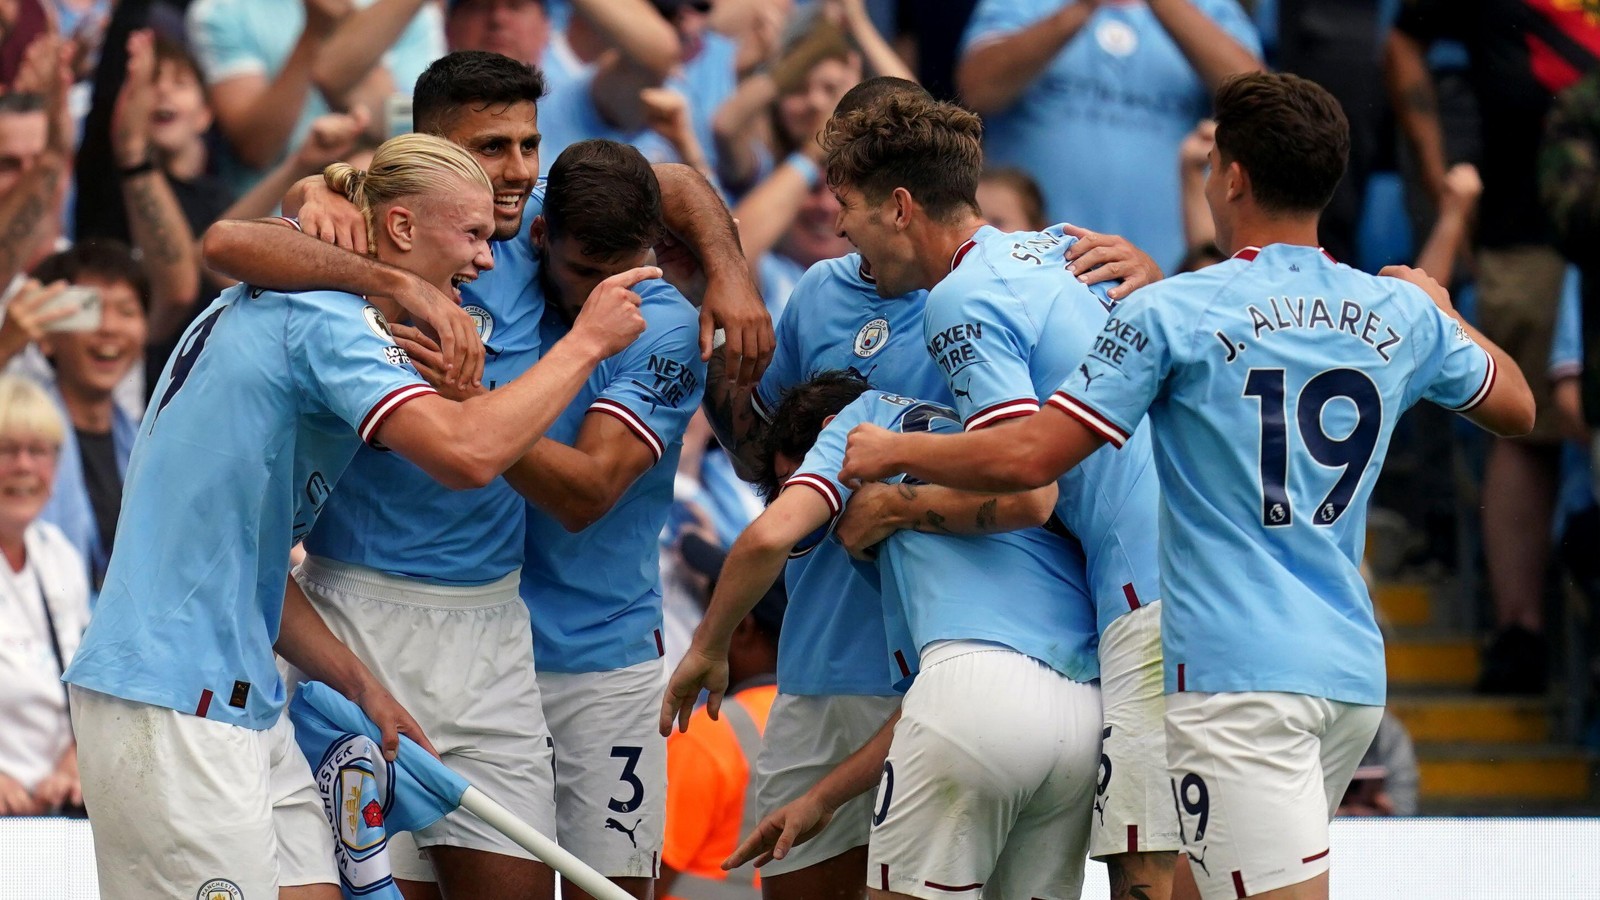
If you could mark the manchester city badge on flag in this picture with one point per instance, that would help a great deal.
(365, 797)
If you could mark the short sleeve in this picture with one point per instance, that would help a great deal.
(1455, 372)
(785, 370)
(657, 384)
(1566, 348)
(219, 36)
(1115, 384)
(820, 469)
(347, 361)
(995, 18)
(981, 341)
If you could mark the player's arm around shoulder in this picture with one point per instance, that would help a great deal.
(1502, 402)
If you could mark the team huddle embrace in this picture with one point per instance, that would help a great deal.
(1008, 646)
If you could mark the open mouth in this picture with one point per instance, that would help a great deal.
(164, 116)
(509, 202)
(459, 279)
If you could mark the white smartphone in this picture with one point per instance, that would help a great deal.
(397, 114)
(86, 303)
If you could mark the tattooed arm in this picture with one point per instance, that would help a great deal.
(169, 254)
(879, 510)
(28, 214)
(732, 416)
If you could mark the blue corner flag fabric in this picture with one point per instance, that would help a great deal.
(365, 797)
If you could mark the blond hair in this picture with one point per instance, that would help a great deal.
(26, 409)
(405, 166)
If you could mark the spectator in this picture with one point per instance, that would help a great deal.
(1093, 98)
(776, 114)
(35, 155)
(88, 367)
(707, 76)
(710, 786)
(258, 58)
(21, 22)
(1519, 278)
(519, 29)
(45, 609)
(1010, 199)
(358, 63)
(1385, 784)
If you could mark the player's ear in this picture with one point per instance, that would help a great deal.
(829, 419)
(538, 231)
(1238, 181)
(903, 204)
(400, 224)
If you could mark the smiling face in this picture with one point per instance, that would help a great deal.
(887, 250)
(504, 139)
(801, 113)
(22, 141)
(90, 364)
(813, 236)
(27, 470)
(181, 116)
(442, 237)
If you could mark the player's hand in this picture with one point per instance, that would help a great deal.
(460, 348)
(24, 323)
(699, 669)
(1105, 257)
(15, 799)
(1431, 287)
(611, 317)
(869, 455)
(780, 831)
(328, 216)
(428, 360)
(869, 518)
(391, 718)
(60, 789)
(733, 304)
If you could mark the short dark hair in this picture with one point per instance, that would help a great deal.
(605, 196)
(873, 89)
(1288, 133)
(174, 52)
(471, 78)
(1020, 181)
(102, 259)
(798, 420)
(930, 148)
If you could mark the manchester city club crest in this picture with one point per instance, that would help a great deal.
(378, 324)
(871, 338)
(219, 889)
(483, 319)
(356, 784)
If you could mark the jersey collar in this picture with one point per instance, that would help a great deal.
(1248, 254)
(961, 253)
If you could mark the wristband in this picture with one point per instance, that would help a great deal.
(134, 171)
(807, 168)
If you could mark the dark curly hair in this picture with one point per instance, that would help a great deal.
(798, 420)
(932, 149)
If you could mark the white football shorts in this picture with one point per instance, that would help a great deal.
(1133, 811)
(806, 737)
(988, 786)
(1255, 777)
(187, 807)
(610, 766)
(460, 660)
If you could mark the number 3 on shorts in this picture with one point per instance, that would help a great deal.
(630, 757)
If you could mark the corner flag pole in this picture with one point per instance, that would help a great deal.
(571, 868)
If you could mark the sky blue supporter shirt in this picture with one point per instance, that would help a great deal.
(1107, 113)
(1007, 326)
(258, 413)
(390, 515)
(1273, 382)
(595, 596)
(1022, 589)
(833, 634)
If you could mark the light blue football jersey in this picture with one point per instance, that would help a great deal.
(259, 411)
(390, 515)
(595, 596)
(1022, 589)
(1273, 382)
(1006, 326)
(833, 632)
(1117, 100)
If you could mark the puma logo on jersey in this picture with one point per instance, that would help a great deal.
(1199, 860)
(1087, 378)
(618, 826)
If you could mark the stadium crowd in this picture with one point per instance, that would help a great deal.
(129, 129)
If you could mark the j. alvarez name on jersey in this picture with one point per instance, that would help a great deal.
(1288, 313)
